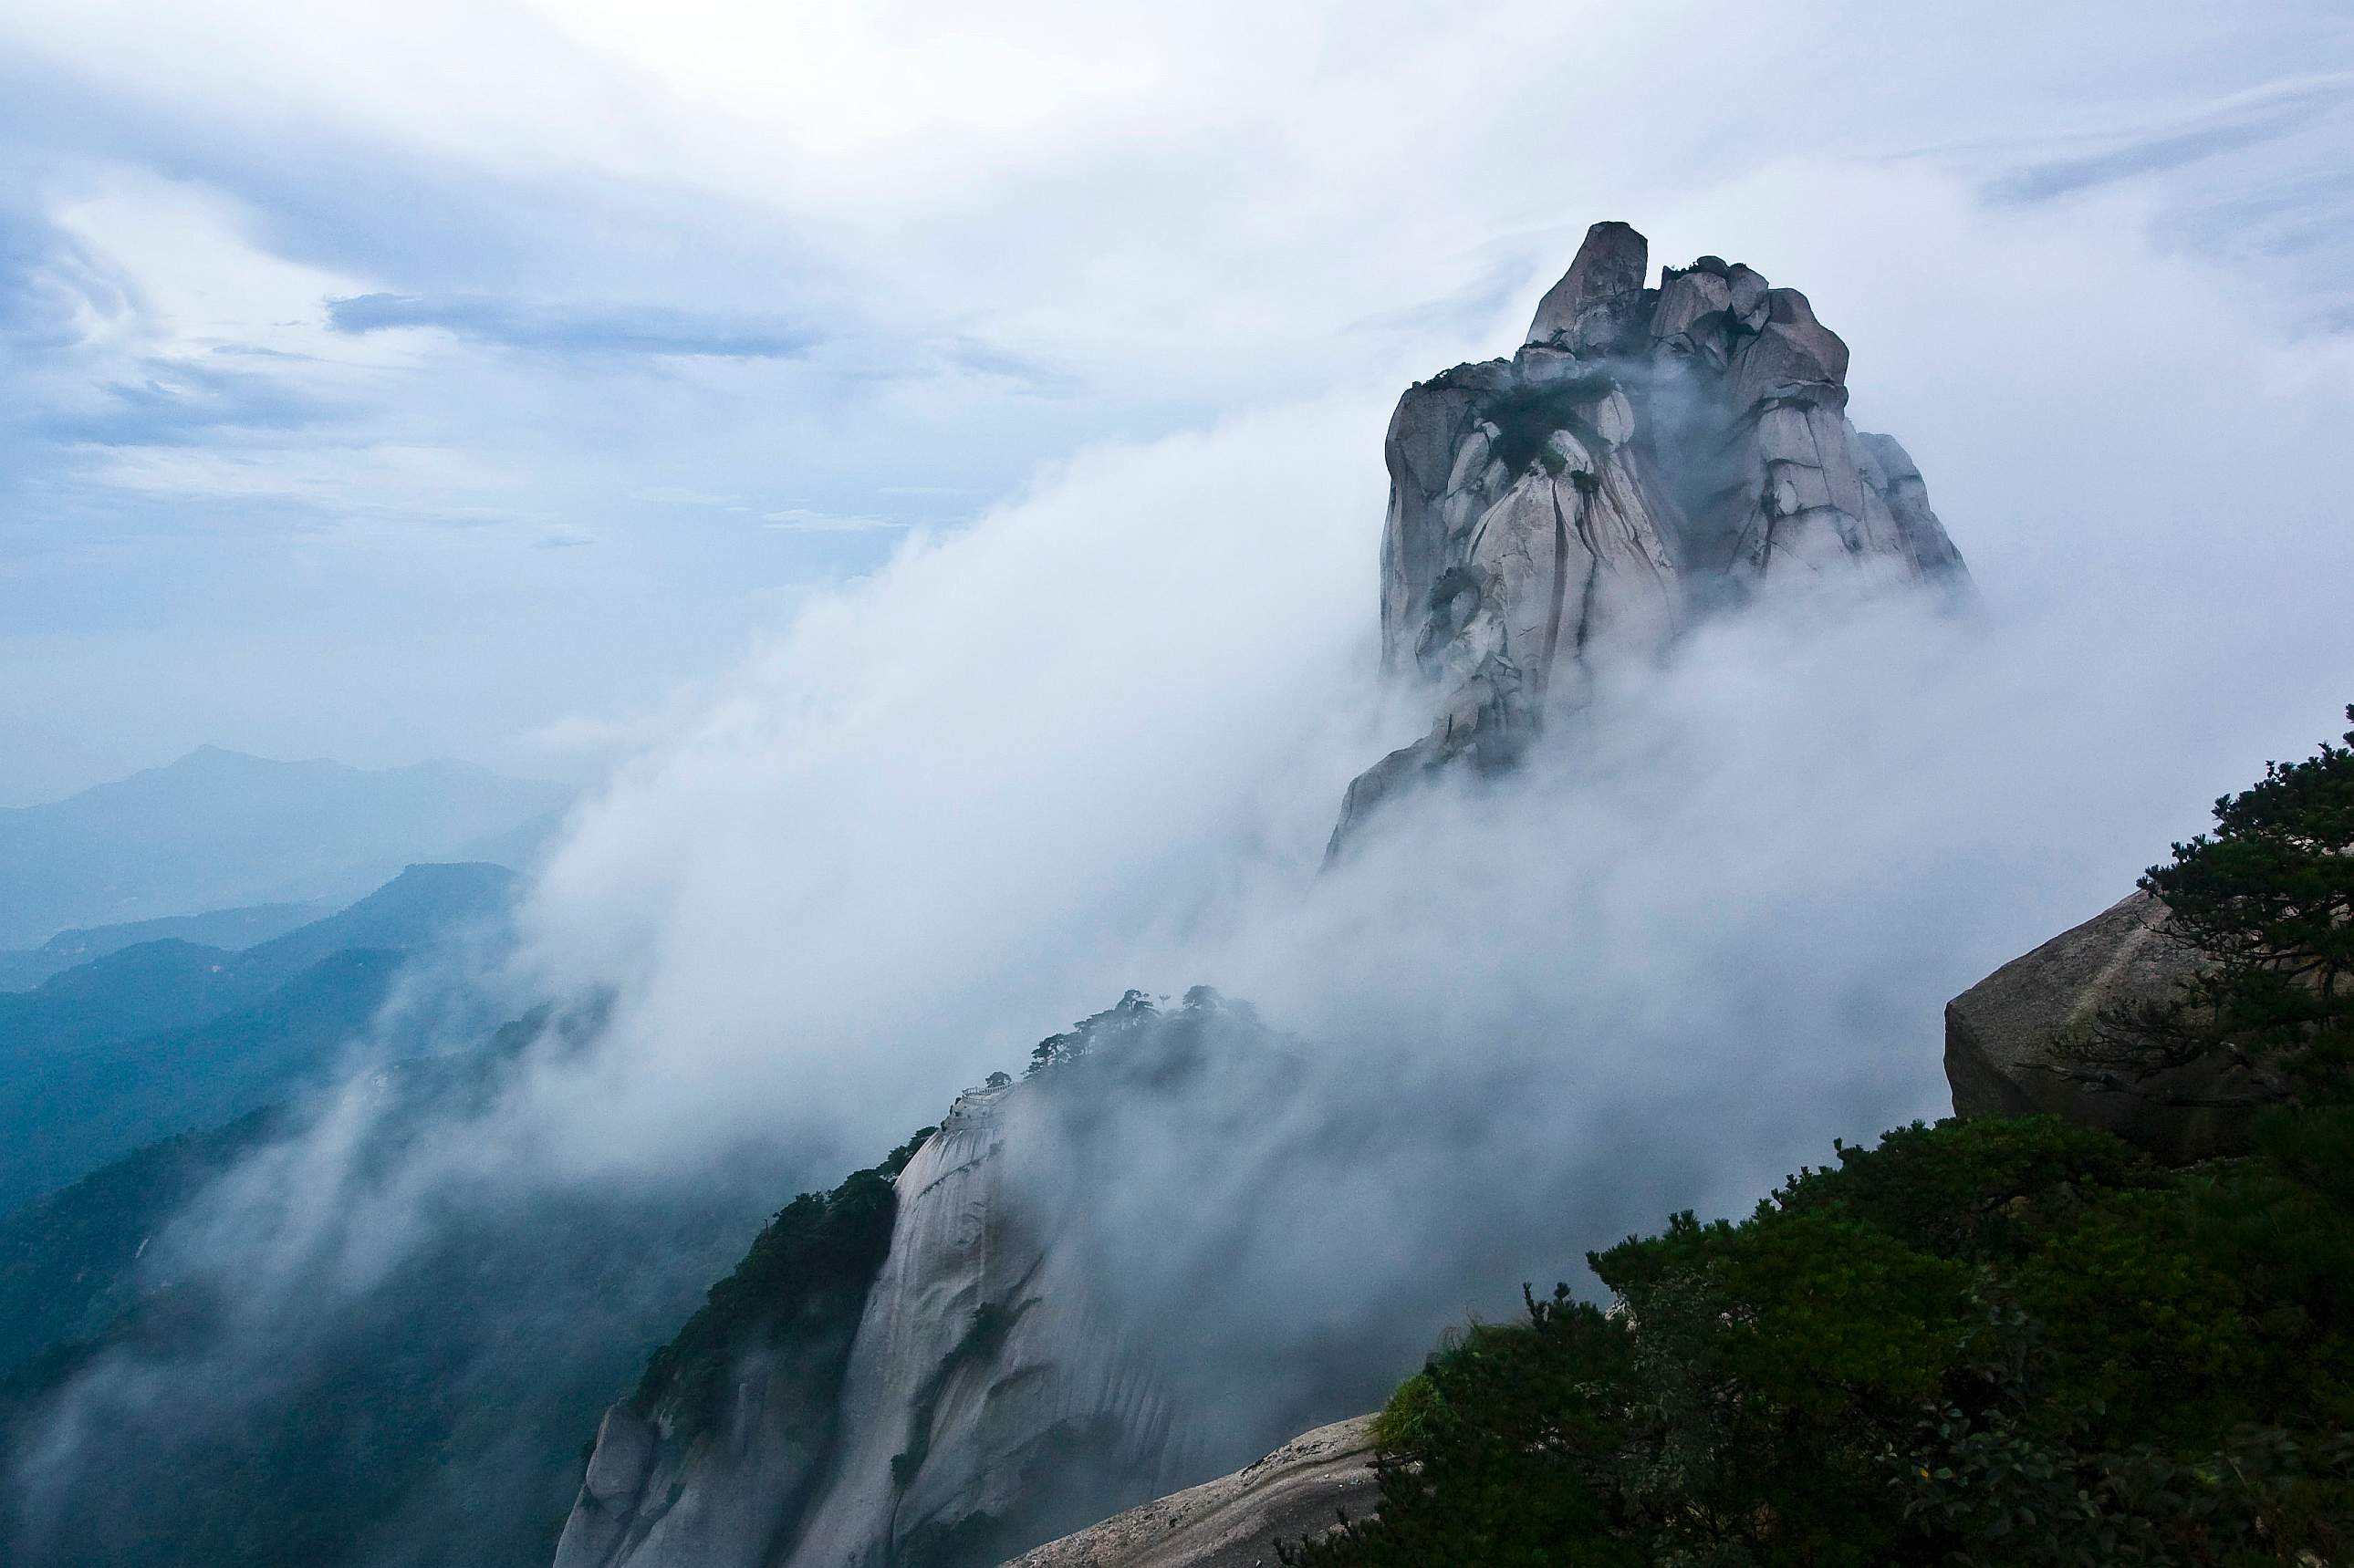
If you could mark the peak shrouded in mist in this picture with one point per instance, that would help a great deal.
(1650, 457)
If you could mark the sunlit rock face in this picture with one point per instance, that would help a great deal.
(1649, 456)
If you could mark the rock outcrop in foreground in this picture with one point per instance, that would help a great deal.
(2014, 1041)
(1237, 1521)
(1649, 456)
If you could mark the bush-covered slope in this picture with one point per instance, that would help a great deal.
(2000, 1342)
(1994, 1342)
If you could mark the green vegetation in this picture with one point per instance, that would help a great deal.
(1992, 1342)
(2268, 899)
(1526, 416)
(806, 1275)
(1132, 1014)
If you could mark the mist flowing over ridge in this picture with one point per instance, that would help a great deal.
(1035, 1352)
(1705, 929)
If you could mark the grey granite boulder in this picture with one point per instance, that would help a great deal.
(2014, 1042)
(1236, 1520)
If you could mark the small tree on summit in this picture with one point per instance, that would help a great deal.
(2267, 899)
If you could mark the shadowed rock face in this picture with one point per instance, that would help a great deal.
(1237, 1521)
(1649, 456)
(2011, 1039)
(989, 1401)
(997, 1390)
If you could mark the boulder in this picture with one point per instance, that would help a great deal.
(2013, 1040)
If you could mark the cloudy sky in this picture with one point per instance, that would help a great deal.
(480, 379)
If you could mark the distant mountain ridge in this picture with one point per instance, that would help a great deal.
(218, 828)
(169, 1036)
(232, 929)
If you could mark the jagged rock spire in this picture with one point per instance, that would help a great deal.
(1613, 261)
(1649, 456)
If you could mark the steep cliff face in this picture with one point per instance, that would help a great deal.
(716, 1456)
(1649, 455)
(988, 1398)
(989, 1402)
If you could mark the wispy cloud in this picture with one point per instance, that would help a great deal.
(54, 291)
(435, 483)
(800, 520)
(563, 329)
(168, 402)
(2245, 121)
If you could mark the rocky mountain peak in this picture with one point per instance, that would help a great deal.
(1610, 265)
(1649, 456)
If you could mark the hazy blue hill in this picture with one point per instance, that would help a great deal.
(66, 1260)
(522, 846)
(170, 983)
(423, 903)
(233, 930)
(67, 1111)
(168, 1036)
(218, 828)
(155, 985)
(433, 1419)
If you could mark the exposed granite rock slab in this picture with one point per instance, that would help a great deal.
(2009, 1039)
(1235, 1522)
(1611, 264)
(988, 1397)
(1649, 456)
(987, 1400)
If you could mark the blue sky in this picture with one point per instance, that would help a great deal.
(482, 379)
